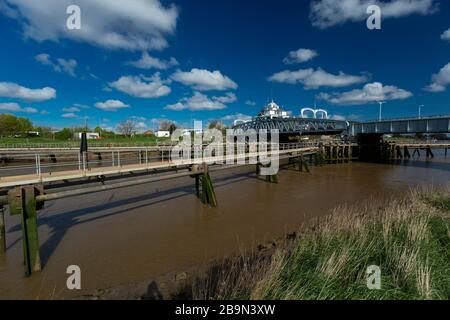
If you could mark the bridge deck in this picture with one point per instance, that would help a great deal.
(438, 124)
(425, 145)
(13, 181)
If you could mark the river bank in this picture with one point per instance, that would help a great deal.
(408, 239)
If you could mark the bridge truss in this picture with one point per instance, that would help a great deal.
(303, 126)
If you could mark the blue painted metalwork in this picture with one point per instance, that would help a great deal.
(296, 125)
(308, 126)
(439, 124)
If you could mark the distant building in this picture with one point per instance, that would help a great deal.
(90, 135)
(188, 132)
(272, 110)
(148, 133)
(162, 134)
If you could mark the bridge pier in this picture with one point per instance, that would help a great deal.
(371, 148)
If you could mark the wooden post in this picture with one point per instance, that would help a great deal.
(22, 200)
(399, 152)
(303, 164)
(2, 231)
(429, 152)
(197, 185)
(208, 193)
(406, 153)
(272, 178)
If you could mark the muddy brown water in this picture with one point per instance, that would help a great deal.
(130, 235)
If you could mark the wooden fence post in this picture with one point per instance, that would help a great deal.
(22, 201)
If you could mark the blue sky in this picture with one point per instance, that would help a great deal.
(150, 60)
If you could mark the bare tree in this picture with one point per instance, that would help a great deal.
(167, 126)
(127, 128)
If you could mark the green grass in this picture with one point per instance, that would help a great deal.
(119, 141)
(409, 239)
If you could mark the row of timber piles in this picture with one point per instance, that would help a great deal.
(392, 151)
(339, 153)
(372, 148)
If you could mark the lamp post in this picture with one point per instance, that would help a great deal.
(381, 104)
(420, 110)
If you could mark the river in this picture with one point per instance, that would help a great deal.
(134, 234)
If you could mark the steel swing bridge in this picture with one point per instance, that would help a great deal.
(313, 126)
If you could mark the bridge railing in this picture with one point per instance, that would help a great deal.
(49, 161)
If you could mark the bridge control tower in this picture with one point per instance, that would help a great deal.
(272, 110)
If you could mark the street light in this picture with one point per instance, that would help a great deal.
(420, 110)
(381, 104)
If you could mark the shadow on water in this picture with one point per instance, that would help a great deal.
(61, 222)
(427, 164)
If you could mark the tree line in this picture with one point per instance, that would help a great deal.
(12, 126)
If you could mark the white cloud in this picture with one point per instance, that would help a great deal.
(14, 107)
(338, 117)
(440, 80)
(142, 87)
(59, 65)
(148, 62)
(446, 35)
(125, 24)
(250, 103)
(313, 79)
(300, 56)
(204, 80)
(370, 93)
(111, 105)
(81, 106)
(139, 118)
(237, 116)
(69, 115)
(141, 125)
(13, 90)
(199, 102)
(71, 109)
(351, 117)
(230, 97)
(328, 13)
